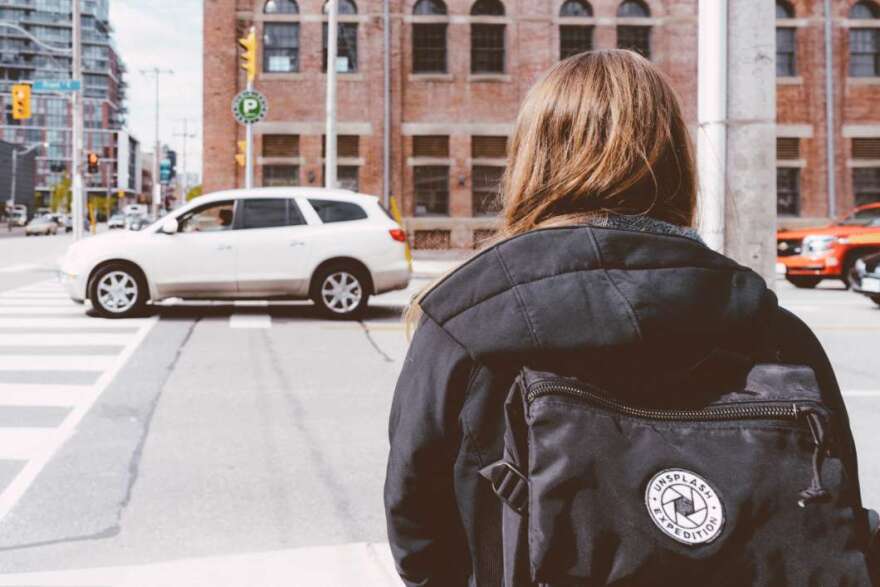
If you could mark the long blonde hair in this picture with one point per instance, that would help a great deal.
(600, 133)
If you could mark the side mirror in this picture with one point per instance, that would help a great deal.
(169, 226)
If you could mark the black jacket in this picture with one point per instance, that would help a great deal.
(620, 308)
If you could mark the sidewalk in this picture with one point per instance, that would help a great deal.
(361, 564)
(435, 264)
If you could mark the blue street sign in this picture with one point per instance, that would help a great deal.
(165, 171)
(57, 85)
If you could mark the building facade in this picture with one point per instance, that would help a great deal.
(459, 70)
(24, 61)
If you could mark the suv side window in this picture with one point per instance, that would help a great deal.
(269, 213)
(208, 218)
(334, 211)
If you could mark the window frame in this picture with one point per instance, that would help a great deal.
(183, 218)
(312, 201)
(495, 56)
(786, 55)
(293, 213)
(291, 51)
(564, 29)
(485, 190)
(421, 32)
(417, 169)
(636, 29)
(341, 27)
(795, 174)
(859, 195)
(275, 166)
(588, 8)
(291, 3)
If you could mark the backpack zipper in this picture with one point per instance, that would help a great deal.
(792, 411)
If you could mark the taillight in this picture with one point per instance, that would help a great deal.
(398, 234)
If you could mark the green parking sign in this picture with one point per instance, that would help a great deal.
(249, 107)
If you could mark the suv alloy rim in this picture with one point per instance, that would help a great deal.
(117, 292)
(341, 292)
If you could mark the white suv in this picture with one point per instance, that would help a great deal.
(333, 246)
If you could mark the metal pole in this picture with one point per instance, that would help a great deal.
(829, 113)
(77, 97)
(386, 131)
(249, 149)
(712, 115)
(330, 134)
(14, 173)
(157, 186)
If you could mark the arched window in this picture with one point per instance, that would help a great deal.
(429, 38)
(786, 44)
(280, 7)
(631, 36)
(280, 47)
(633, 9)
(346, 40)
(575, 38)
(864, 42)
(487, 39)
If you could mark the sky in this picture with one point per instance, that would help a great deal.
(165, 34)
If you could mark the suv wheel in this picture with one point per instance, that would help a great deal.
(117, 291)
(803, 281)
(340, 292)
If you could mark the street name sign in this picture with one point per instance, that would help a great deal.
(249, 107)
(57, 85)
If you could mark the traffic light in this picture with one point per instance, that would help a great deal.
(21, 101)
(93, 161)
(241, 156)
(249, 57)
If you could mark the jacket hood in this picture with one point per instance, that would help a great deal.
(590, 291)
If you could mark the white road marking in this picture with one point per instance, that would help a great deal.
(70, 339)
(34, 295)
(250, 321)
(35, 302)
(19, 444)
(38, 445)
(29, 394)
(56, 362)
(22, 267)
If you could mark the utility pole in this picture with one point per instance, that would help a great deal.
(330, 133)
(737, 126)
(184, 135)
(156, 73)
(77, 98)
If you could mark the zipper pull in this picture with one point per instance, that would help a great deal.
(815, 493)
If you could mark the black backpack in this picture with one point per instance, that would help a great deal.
(749, 487)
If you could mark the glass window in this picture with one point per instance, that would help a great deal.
(280, 175)
(788, 148)
(488, 147)
(635, 38)
(431, 146)
(487, 8)
(633, 9)
(208, 218)
(864, 52)
(346, 46)
(863, 10)
(576, 8)
(486, 184)
(280, 7)
(346, 145)
(429, 47)
(336, 211)
(788, 191)
(429, 8)
(344, 7)
(431, 187)
(280, 145)
(263, 213)
(574, 39)
(784, 10)
(487, 48)
(866, 185)
(347, 177)
(280, 47)
(785, 52)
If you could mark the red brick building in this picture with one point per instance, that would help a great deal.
(459, 70)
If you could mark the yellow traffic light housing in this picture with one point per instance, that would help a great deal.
(21, 101)
(242, 153)
(249, 57)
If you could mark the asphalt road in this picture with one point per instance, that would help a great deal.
(229, 438)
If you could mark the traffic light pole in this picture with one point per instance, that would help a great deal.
(78, 202)
(330, 133)
(249, 149)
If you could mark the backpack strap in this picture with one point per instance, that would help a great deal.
(509, 484)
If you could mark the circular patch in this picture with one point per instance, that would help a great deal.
(684, 506)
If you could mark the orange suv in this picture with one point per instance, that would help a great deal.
(813, 254)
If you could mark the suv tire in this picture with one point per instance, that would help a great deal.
(118, 291)
(803, 281)
(340, 291)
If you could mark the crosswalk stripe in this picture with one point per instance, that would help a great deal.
(65, 339)
(34, 295)
(32, 394)
(71, 323)
(34, 302)
(18, 311)
(24, 443)
(56, 362)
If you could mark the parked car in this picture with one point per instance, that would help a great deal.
(137, 221)
(334, 247)
(813, 254)
(865, 277)
(18, 216)
(44, 225)
(116, 221)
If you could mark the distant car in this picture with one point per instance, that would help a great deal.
(18, 218)
(334, 247)
(44, 225)
(137, 221)
(865, 277)
(116, 221)
(813, 254)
